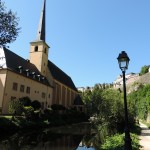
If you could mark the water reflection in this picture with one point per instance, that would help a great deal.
(85, 148)
(85, 145)
(65, 138)
(36, 141)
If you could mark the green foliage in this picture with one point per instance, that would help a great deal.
(25, 101)
(29, 112)
(141, 100)
(109, 109)
(15, 107)
(48, 111)
(106, 105)
(142, 109)
(7, 125)
(144, 70)
(86, 96)
(9, 25)
(57, 107)
(116, 142)
(36, 104)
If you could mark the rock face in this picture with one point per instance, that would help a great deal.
(144, 79)
(134, 83)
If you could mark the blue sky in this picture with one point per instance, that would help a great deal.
(86, 36)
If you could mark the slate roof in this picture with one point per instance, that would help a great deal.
(61, 76)
(13, 61)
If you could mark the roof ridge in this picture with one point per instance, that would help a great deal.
(14, 53)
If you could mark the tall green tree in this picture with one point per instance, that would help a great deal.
(8, 25)
(107, 111)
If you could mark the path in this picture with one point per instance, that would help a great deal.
(144, 137)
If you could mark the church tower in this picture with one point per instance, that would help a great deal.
(39, 48)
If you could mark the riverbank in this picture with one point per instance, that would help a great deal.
(12, 124)
(63, 137)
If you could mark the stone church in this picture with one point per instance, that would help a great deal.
(37, 77)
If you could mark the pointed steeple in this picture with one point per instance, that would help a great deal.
(41, 29)
(39, 48)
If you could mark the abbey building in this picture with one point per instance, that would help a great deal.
(37, 77)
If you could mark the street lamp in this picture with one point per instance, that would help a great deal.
(123, 61)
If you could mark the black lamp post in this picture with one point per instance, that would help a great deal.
(123, 61)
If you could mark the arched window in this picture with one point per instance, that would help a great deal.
(36, 48)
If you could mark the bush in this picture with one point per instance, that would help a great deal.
(57, 107)
(15, 107)
(29, 112)
(48, 113)
(7, 125)
(25, 101)
(116, 142)
(36, 104)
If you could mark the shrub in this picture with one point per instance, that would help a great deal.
(7, 125)
(25, 101)
(57, 107)
(29, 112)
(15, 107)
(116, 142)
(48, 113)
(36, 104)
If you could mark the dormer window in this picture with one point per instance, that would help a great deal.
(33, 75)
(20, 69)
(27, 72)
(43, 78)
(36, 48)
(39, 77)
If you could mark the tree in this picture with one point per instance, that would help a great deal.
(8, 25)
(25, 101)
(144, 70)
(36, 104)
(86, 96)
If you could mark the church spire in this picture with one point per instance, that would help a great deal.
(41, 29)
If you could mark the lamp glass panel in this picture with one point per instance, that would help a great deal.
(123, 64)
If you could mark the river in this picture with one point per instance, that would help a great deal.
(69, 137)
